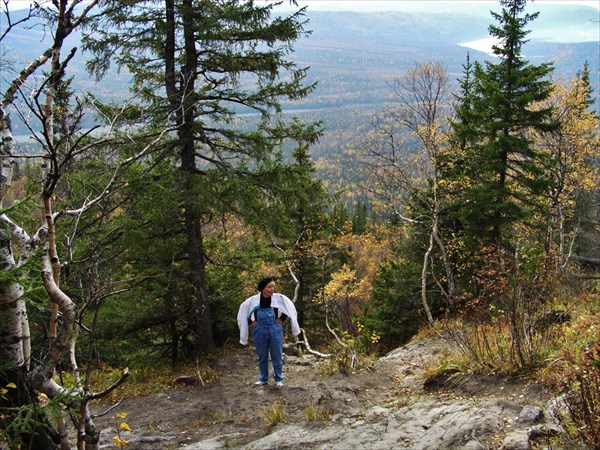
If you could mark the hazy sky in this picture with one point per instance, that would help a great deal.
(372, 4)
(588, 31)
(572, 32)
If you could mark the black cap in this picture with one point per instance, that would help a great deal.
(263, 283)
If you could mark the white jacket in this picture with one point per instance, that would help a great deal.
(279, 301)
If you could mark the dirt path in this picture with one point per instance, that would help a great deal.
(233, 407)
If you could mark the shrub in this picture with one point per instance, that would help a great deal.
(580, 413)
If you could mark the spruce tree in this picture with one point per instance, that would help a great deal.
(506, 172)
(196, 66)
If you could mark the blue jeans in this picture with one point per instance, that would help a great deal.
(267, 335)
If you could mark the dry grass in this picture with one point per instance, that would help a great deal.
(216, 417)
(316, 413)
(567, 360)
(274, 414)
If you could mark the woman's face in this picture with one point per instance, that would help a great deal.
(269, 289)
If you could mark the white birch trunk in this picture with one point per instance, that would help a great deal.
(6, 144)
(14, 327)
(424, 280)
(42, 377)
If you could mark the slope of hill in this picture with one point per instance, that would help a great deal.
(391, 405)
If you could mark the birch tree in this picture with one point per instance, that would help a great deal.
(574, 151)
(403, 174)
(25, 254)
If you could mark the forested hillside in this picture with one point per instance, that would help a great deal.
(354, 58)
(366, 165)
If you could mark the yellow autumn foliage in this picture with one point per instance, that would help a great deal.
(573, 152)
(119, 442)
(344, 284)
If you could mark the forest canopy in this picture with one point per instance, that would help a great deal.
(472, 209)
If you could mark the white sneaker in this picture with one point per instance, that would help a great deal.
(260, 383)
(279, 383)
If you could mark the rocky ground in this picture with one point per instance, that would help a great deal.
(388, 406)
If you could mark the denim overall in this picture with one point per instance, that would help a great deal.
(267, 335)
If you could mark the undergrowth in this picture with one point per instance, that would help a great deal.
(347, 357)
(316, 413)
(565, 357)
(145, 380)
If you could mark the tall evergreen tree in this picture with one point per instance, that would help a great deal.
(198, 64)
(359, 219)
(506, 172)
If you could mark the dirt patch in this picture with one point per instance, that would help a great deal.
(478, 386)
(236, 412)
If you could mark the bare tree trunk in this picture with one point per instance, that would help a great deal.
(449, 290)
(13, 313)
(15, 349)
(424, 280)
(6, 143)
(201, 317)
(14, 317)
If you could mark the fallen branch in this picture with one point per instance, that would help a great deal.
(95, 416)
(305, 343)
(198, 371)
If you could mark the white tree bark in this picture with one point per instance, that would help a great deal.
(6, 149)
(14, 326)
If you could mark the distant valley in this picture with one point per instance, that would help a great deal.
(354, 57)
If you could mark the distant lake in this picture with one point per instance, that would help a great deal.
(481, 45)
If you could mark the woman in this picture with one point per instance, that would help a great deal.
(265, 312)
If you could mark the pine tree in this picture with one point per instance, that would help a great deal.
(359, 219)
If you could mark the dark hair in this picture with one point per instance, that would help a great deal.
(263, 283)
